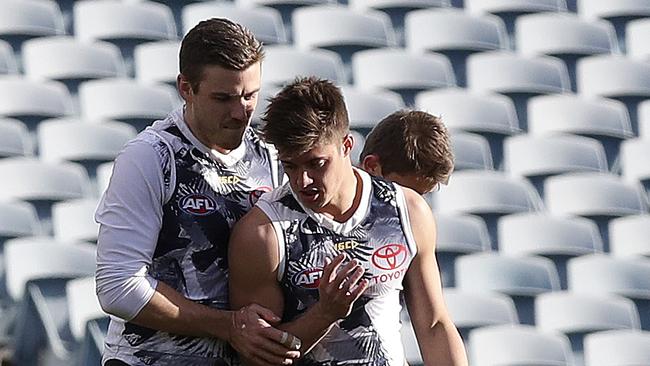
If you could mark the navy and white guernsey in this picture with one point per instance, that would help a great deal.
(379, 236)
(204, 199)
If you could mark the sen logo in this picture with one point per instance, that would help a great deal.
(197, 204)
(389, 257)
(257, 193)
(308, 278)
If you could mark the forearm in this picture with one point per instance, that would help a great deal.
(442, 345)
(169, 311)
(310, 327)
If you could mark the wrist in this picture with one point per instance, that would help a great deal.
(321, 314)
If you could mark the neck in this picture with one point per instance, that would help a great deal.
(345, 204)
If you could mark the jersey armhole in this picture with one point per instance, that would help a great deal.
(172, 169)
(402, 208)
(270, 212)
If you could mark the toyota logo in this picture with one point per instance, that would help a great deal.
(389, 257)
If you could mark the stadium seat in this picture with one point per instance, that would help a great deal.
(644, 119)
(628, 236)
(71, 61)
(510, 10)
(21, 20)
(619, 13)
(556, 238)
(266, 92)
(634, 164)
(367, 108)
(471, 151)
(577, 315)
(604, 274)
(636, 39)
(565, 36)
(283, 64)
(359, 142)
(617, 347)
(37, 272)
(265, 23)
(521, 278)
(596, 196)
(401, 71)
(354, 31)
(42, 184)
(8, 63)
(538, 157)
(157, 62)
(457, 235)
(518, 345)
(454, 33)
(490, 115)
(616, 77)
(104, 172)
(125, 24)
(32, 101)
(89, 144)
(603, 119)
(517, 77)
(487, 194)
(470, 311)
(126, 100)
(88, 322)
(73, 220)
(14, 138)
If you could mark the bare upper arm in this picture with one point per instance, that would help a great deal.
(253, 263)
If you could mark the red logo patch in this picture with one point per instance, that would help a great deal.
(257, 193)
(308, 278)
(197, 204)
(389, 257)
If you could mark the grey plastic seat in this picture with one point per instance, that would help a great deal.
(538, 157)
(126, 100)
(454, 33)
(32, 101)
(603, 274)
(518, 345)
(636, 39)
(367, 108)
(521, 278)
(491, 115)
(157, 62)
(633, 162)
(577, 315)
(471, 151)
(354, 31)
(14, 138)
(401, 71)
(470, 311)
(8, 63)
(71, 61)
(265, 23)
(556, 238)
(24, 19)
(619, 13)
(457, 235)
(282, 64)
(617, 347)
(628, 236)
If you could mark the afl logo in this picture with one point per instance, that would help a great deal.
(307, 278)
(257, 193)
(197, 204)
(389, 257)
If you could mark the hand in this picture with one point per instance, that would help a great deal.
(339, 289)
(255, 339)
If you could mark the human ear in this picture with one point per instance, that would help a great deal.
(371, 164)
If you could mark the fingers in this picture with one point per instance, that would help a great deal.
(348, 273)
(265, 313)
(356, 292)
(331, 268)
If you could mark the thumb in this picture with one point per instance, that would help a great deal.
(265, 314)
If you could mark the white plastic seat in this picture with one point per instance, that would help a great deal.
(633, 162)
(83, 304)
(8, 63)
(471, 151)
(126, 100)
(359, 142)
(628, 236)
(31, 101)
(521, 278)
(66, 59)
(282, 64)
(401, 71)
(73, 220)
(366, 108)
(617, 347)
(265, 93)
(14, 138)
(508, 345)
(619, 13)
(644, 119)
(18, 219)
(285, 7)
(104, 172)
(24, 19)
(636, 39)
(265, 23)
(157, 62)
(454, 33)
(613, 76)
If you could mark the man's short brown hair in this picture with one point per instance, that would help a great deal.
(305, 113)
(412, 143)
(217, 41)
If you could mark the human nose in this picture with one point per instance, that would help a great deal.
(304, 180)
(240, 110)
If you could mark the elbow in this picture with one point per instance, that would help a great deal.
(123, 296)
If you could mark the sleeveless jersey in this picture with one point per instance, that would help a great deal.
(379, 236)
(204, 200)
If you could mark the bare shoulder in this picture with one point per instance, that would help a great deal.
(419, 209)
